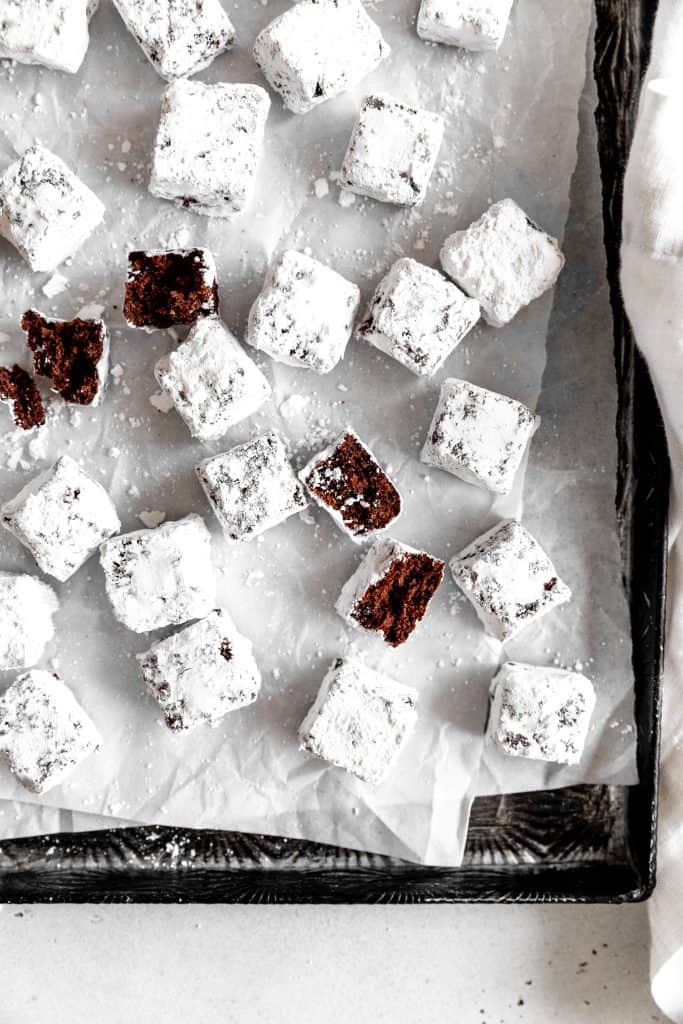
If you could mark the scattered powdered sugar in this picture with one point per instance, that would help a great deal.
(161, 401)
(151, 517)
(55, 286)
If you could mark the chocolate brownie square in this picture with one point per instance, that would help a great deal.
(73, 354)
(348, 482)
(169, 287)
(18, 389)
(390, 590)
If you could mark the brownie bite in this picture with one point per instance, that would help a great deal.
(348, 482)
(19, 390)
(62, 515)
(178, 38)
(390, 590)
(201, 673)
(46, 212)
(540, 712)
(169, 287)
(509, 579)
(73, 354)
(44, 732)
(252, 487)
(360, 720)
(392, 151)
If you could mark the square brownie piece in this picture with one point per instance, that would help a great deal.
(348, 482)
(503, 260)
(160, 577)
(18, 390)
(318, 49)
(26, 609)
(418, 317)
(252, 487)
(178, 37)
(211, 380)
(46, 212)
(539, 712)
(478, 435)
(72, 354)
(360, 720)
(392, 151)
(165, 288)
(390, 590)
(61, 516)
(44, 732)
(53, 33)
(509, 579)
(201, 673)
(304, 314)
(471, 24)
(208, 146)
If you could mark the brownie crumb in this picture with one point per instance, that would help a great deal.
(19, 388)
(169, 288)
(226, 650)
(396, 603)
(68, 352)
(351, 482)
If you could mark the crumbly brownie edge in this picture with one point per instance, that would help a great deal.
(18, 388)
(396, 603)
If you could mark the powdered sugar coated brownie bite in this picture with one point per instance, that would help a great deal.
(471, 24)
(478, 435)
(26, 609)
(61, 516)
(318, 49)
(160, 577)
(252, 487)
(208, 146)
(18, 389)
(44, 731)
(418, 317)
(178, 37)
(304, 314)
(169, 287)
(211, 380)
(539, 712)
(46, 212)
(201, 673)
(348, 482)
(73, 354)
(503, 260)
(53, 33)
(390, 590)
(392, 151)
(360, 720)
(509, 579)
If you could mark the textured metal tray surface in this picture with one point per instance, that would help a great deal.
(586, 844)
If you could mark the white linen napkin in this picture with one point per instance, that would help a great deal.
(652, 285)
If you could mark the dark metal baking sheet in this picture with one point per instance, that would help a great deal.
(585, 844)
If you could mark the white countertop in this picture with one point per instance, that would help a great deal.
(473, 965)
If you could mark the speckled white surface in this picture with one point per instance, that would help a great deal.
(372, 965)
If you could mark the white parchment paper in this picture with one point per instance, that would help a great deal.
(512, 124)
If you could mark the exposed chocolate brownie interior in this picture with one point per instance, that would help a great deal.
(66, 351)
(351, 482)
(395, 604)
(19, 388)
(165, 289)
